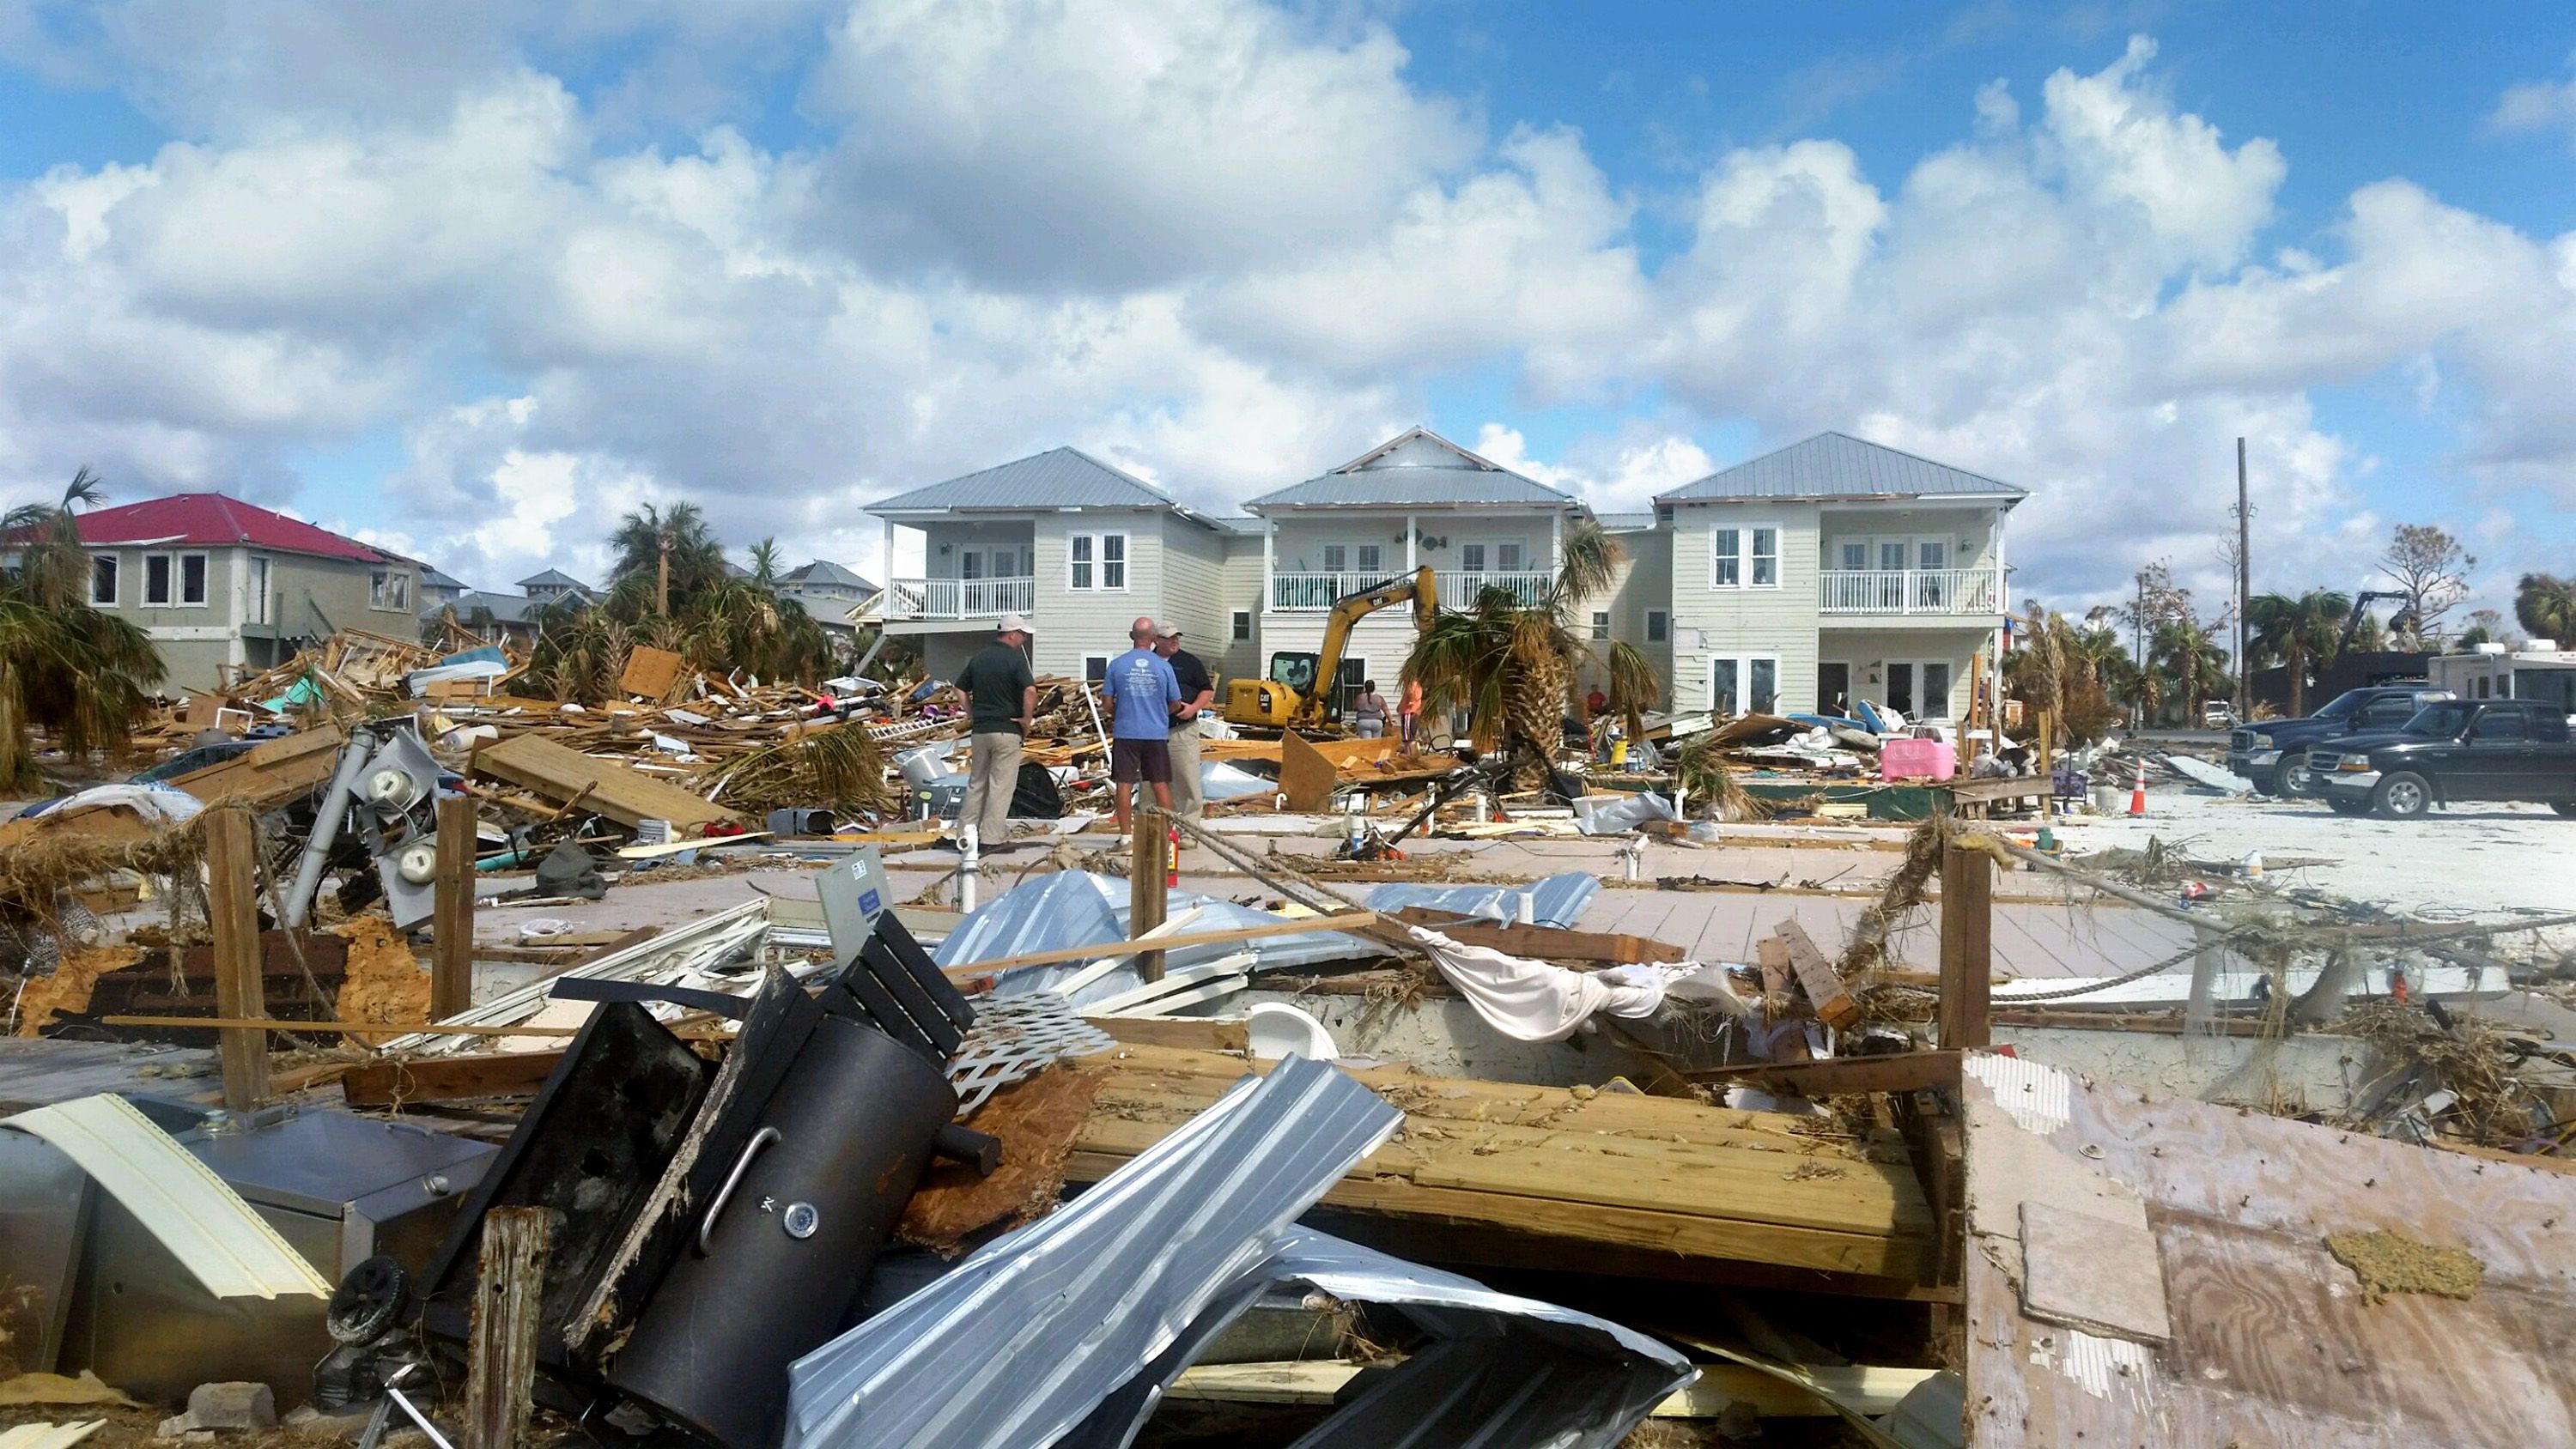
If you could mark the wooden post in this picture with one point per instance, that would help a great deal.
(501, 1356)
(1967, 952)
(451, 921)
(232, 910)
(1968, 716)
(1148, 889)
(2047, 753)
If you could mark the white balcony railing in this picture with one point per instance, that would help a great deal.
(1314, 593)
(959, 598)
(1911, 591)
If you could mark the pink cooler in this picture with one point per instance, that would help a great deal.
(1909, 759)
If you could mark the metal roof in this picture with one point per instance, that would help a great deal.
(1556, 901)
(553, 578)
(825, 572)
(214, 520)
(1057, 478)
(230, 1249)
(1837, 465)
(1022, 1341)
(1626, 522)
(1419, 468)
(1231, 524)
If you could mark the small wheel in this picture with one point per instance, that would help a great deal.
(2402, 796)
(2341, 806)
(2295, 776)
(369, 1300)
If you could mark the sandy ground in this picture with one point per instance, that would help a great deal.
(2475, 860)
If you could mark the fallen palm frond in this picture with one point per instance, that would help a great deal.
(2469, 1058)
(36, 877)
(1707, 780)
(836, 768)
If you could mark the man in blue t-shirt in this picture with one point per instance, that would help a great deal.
(1141, 691)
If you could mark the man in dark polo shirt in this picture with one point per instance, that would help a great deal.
(1198, 694)
(1001, 695)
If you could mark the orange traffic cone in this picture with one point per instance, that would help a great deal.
(2138, 793)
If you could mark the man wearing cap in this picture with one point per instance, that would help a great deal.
(1198, 692)
(1142, 694)
(1001, 695)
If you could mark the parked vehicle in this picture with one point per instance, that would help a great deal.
(2453, 751)
(2216, 714)
(2274, 753)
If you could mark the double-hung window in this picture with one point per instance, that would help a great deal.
(1371, 557)
(1744, 556)
(1471, 557)
(1096, 561)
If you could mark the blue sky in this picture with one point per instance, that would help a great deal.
(473, 279)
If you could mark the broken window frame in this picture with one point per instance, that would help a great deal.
(390, 590)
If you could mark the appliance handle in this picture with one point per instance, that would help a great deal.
(733, 1179)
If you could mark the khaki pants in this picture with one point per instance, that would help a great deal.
(990, 781)
(1189, 795)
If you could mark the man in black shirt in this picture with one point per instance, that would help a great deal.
(1198, 693)
(1001, 695)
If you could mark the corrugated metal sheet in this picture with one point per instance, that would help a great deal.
(1557, 900)
(1057, 478)
(1077, 908)
(1835, 465)
(1024, 1340)
(203, 1222)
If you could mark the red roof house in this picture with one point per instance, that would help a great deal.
(211, 520)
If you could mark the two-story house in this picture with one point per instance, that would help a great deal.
(1415, 500)
(224, 588)
(828, 593)
(1079, 547)
(1830, 571)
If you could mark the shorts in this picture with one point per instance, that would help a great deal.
(1147, 762)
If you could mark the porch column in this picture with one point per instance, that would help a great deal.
(1269, 562)
(885, 573)
(1409, 531)
(1555, 540)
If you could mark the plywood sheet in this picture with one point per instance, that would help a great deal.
(651, 672)
(2273, 1342)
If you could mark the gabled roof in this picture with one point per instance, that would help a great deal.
(1057, 478)
(823, 573)
(553, 579)
(211, 520)
(1836, 465)
(431, 578)
(1626, 522)
(1414, 469)
(504, 608)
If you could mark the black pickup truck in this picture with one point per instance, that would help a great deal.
(2273, 753)
(2452, 752)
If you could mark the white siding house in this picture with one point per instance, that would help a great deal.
(1080, 547)
(1831, 571)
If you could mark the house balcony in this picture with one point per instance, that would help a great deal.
(959, 598)
(1315, 593)
(1935, 592)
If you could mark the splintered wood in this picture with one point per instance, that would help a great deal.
(1574, 1179)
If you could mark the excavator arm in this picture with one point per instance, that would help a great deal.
(2361, 603)
(1422, 589)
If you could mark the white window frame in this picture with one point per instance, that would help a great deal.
(169, 563)
(1337, 558)
(1888, 666)
(1102, 660)
(1754, 558)
(1743, 679)
(1081, 563)
(1370, 558)
(1471, 558)
(1659, 626)
(1746, 561)
(115, 580)
(1600, 623)
(386, 582)
(1121, 563)
(1242, 625)
(1516, 545)
(179, 579)
(1100, 563)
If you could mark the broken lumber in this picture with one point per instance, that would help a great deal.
(1306, 778)
(1547, 943)
(1839, 1076)
(626, 796)
(1817, 977)
(501, 1355)
(395, 1082)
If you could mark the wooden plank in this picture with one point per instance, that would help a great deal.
(1772, 955)
(1817, 977)
(1766, 1187)
(255, 1024)
(626, 796)
(501, 1354)
(1838, 1076)
(1967, 948)
(451, 921)
(651, 672)
(1343, 922)
(1148, 888)
(1547, 943)
(268, 774)
(1870, 1389)
(394, 1082)
(2012, 787)
(1306, 778)
(232, 910)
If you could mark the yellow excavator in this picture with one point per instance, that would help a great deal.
(1293, 696)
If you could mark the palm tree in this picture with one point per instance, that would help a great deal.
(765, 561)
(1510, 660)
(79, 672)
(2545, 605)
(2301, 630)
(673, 552)
(2193, 664)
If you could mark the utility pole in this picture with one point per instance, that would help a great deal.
(662, 576)
(2244, 588)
